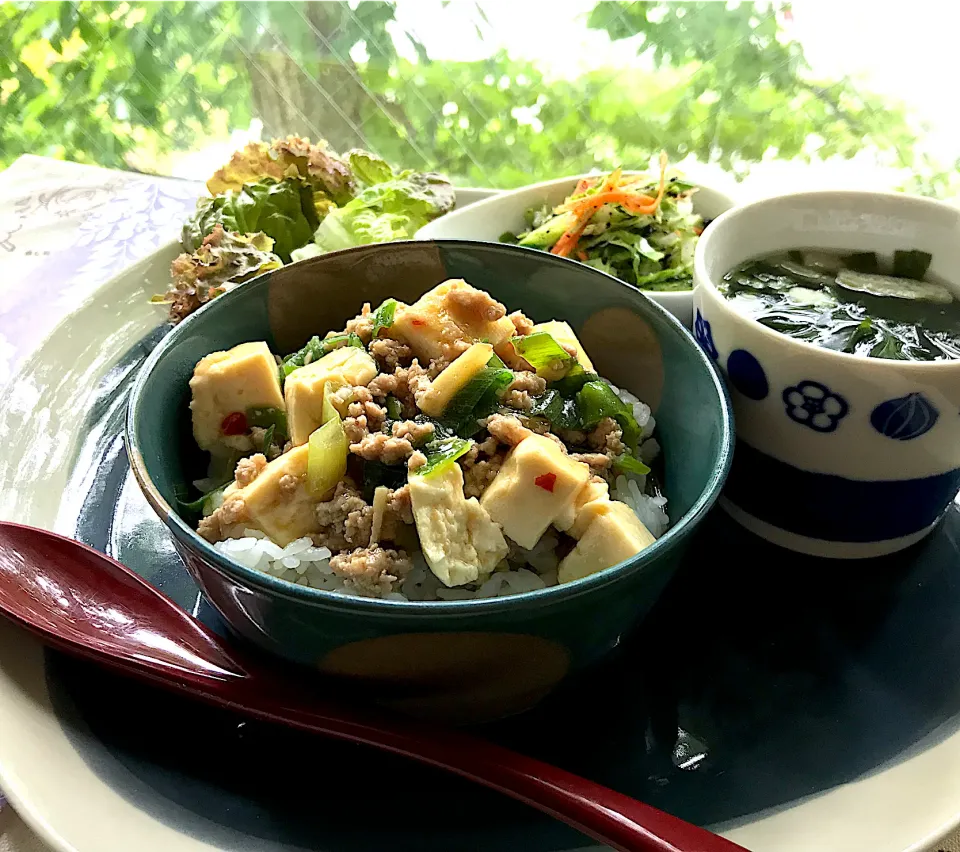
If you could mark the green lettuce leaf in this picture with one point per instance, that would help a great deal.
(222, 262)
(368, 168)
(394, 209)
(283, 210)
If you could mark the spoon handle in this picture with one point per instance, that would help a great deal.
(617, 820)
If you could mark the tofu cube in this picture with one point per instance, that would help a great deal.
(281, 507)
(454, 378)
(537, 484)
(591, 500)
(303, 388)
(460, 542)
(445, 320)
(613, 535)
(230, 382)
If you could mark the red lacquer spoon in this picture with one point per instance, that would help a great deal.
(82, 602)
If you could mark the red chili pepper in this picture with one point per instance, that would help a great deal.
(234, 423)
(546, 481)
(418, 322)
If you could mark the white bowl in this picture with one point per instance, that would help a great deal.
(837, 455)
(486, 220)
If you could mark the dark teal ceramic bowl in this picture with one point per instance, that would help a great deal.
(464, 660)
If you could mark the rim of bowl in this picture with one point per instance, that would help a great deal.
(702, 279)
(680, 530)
(666, 295)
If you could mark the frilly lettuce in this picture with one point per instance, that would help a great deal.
(393, 209)
(221, 262)
(284, 210)
(284, 158)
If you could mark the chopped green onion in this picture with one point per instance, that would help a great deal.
(208, 503)
(478, 397)
(629, 463)
(559, 411)
(317, 348)
(394, 408)
(326, 457)
(575, 379)
(596, 400)
(268, 437)
(542, 352)
(383, 316)
(267, 418)
(328, 411)
(911, 263)
(441, 452)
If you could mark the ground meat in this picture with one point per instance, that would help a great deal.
(398, 384)
(400, 505)
(378, 446)
(419, 385)
(215, 526)
(570, 349)
(373, 414)
(361, 325)
(344, 520)
(597, 462)
(249, 469)
(356, 428)
(521, 323)
(414, 432)
(506, 429)
(416, 461)
(521, 391)
(288, 485)
(474, 307)
(607, 437)
(391, 354)
(529, 382)
(518, 399)
(480, 465)
(397, 513)
(371, 571)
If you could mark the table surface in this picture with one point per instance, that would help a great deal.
(65, 228)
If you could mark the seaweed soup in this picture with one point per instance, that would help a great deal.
(859, 303)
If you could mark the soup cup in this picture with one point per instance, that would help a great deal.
(464, 660)
(837, 455)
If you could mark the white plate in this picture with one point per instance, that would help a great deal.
(80, 799)
(487, 220)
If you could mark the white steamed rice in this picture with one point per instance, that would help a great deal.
(302, 563)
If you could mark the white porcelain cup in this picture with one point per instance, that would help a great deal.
(837, 455)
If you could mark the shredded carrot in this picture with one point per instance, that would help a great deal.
(582, 255)
(584, 184)
(611, 191)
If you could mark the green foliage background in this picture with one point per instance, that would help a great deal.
(125, 84)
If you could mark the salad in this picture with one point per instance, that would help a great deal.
(284, 201)
(636, 227)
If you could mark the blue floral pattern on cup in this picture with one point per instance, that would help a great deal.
(814, 405)
(704, 336)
